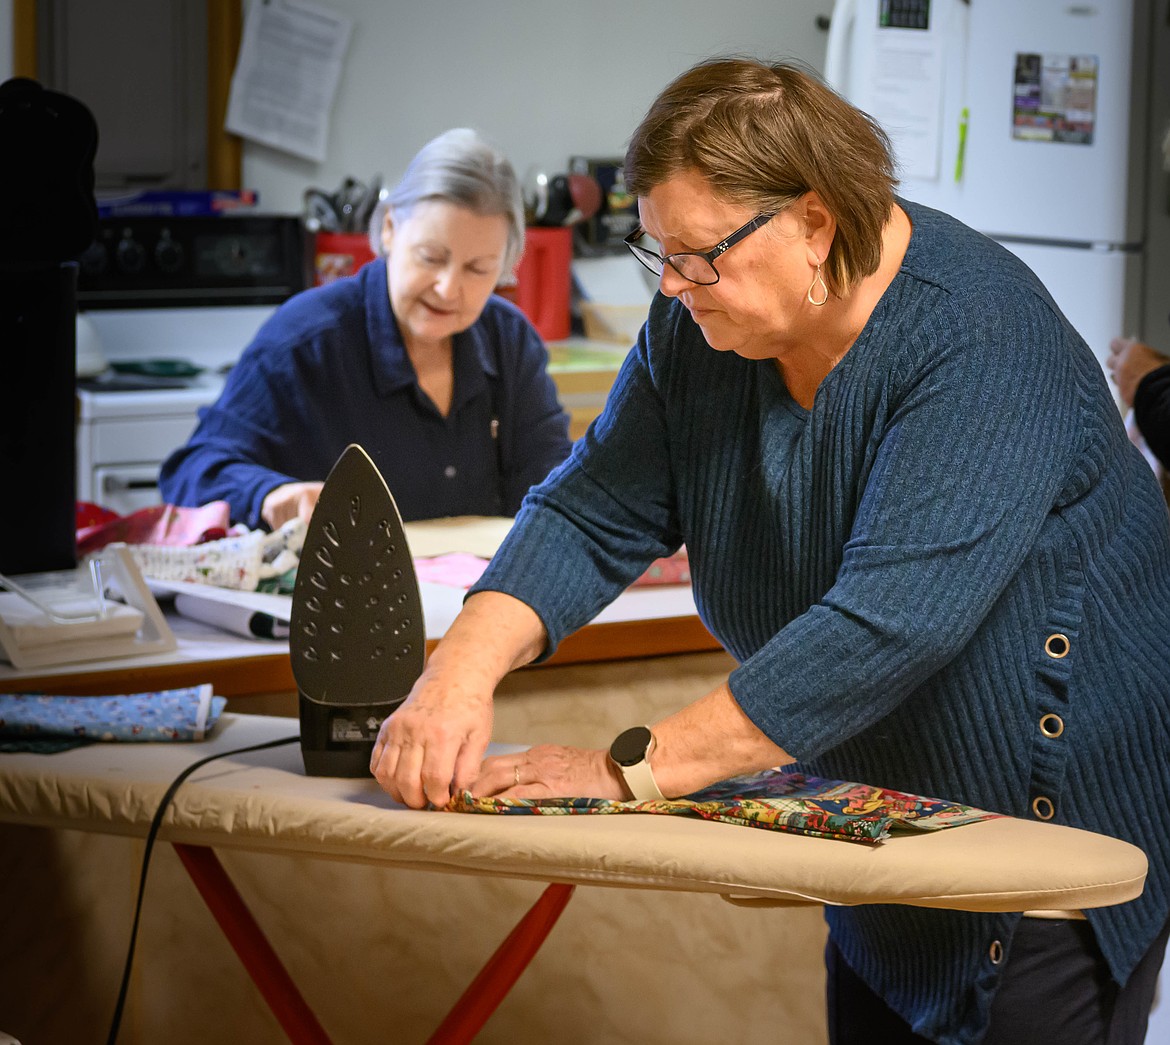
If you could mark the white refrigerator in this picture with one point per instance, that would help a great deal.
(1025, 119)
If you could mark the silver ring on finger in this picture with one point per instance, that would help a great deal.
(516, 774)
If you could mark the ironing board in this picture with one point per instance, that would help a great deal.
(262, 801)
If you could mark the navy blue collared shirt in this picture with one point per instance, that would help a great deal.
(329, 368)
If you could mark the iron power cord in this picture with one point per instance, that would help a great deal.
(155, 824)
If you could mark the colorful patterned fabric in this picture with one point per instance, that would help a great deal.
(30, 721)
(778, 801)
(240, 561)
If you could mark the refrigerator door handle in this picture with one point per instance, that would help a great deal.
(837, 50)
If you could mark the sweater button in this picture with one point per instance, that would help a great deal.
(995, 952)
(449, 471)
(1057, 646)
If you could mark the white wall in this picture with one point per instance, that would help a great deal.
(5, 40)
(543, 79)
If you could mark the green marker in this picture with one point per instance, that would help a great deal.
(963, 117)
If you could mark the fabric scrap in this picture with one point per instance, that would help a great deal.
(161, 524)
(240, 561)
(773, 800)
(185, 714)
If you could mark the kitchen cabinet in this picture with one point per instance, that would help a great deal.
(156, 77)
(141, 68)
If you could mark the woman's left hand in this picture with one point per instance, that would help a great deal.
(549, 771)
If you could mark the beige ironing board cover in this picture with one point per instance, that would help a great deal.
(262, 801)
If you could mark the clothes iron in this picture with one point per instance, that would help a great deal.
(357, 636)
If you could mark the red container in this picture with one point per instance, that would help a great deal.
(341, 254)
(543, 278)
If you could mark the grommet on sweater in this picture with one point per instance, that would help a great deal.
(1057, 646)
(995, 952)
(1051, 725)
(1043, 808)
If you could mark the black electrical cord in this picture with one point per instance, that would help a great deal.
(155, 824)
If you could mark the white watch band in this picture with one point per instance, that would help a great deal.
(640, 780)
(630, 752)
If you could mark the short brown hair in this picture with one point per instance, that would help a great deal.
(763, 135)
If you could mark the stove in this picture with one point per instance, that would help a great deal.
(193, 291)
(125, 434)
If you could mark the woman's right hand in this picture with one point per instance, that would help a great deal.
(433, 745)
(290, 501)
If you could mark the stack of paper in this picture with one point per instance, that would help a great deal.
(65, 617)
(31, 627)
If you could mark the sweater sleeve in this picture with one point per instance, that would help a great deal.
(231, 456)
(1151, 411)
(599, 519)
(978, 446)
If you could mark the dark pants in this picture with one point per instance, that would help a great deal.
(1055, 990)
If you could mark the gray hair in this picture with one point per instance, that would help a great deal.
(459, 167)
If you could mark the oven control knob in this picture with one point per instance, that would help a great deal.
(95, 259)
(231, 257)
(168, 255)
(131, 256)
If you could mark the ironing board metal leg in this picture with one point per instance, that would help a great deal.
(252, 946)
(503, 969)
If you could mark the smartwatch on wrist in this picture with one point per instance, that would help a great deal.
(630, 752)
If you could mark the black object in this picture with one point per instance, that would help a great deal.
(48, 213)
(553, 205)
(47, 216)
(191, 261)
(357, 636)
(630, 746)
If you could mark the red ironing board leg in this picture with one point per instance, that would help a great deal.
(250, 943)
(463, 1022)
(503, 969)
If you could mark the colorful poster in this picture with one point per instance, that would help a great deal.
(1055, 98)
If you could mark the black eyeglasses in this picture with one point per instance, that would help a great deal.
(698, 268)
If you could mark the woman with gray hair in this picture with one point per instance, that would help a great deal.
(444, 384)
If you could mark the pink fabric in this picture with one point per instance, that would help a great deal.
(457, 569)
(164, 524)
(462, 570)
(86, 513)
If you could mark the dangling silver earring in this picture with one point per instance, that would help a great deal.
(818, 296)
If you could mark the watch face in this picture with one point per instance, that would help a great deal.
(630, 747)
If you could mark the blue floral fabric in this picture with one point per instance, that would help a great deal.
(35, 722)
(774, 800)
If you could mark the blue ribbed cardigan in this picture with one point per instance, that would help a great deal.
(887, 568)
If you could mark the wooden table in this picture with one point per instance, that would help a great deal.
(643, 622)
